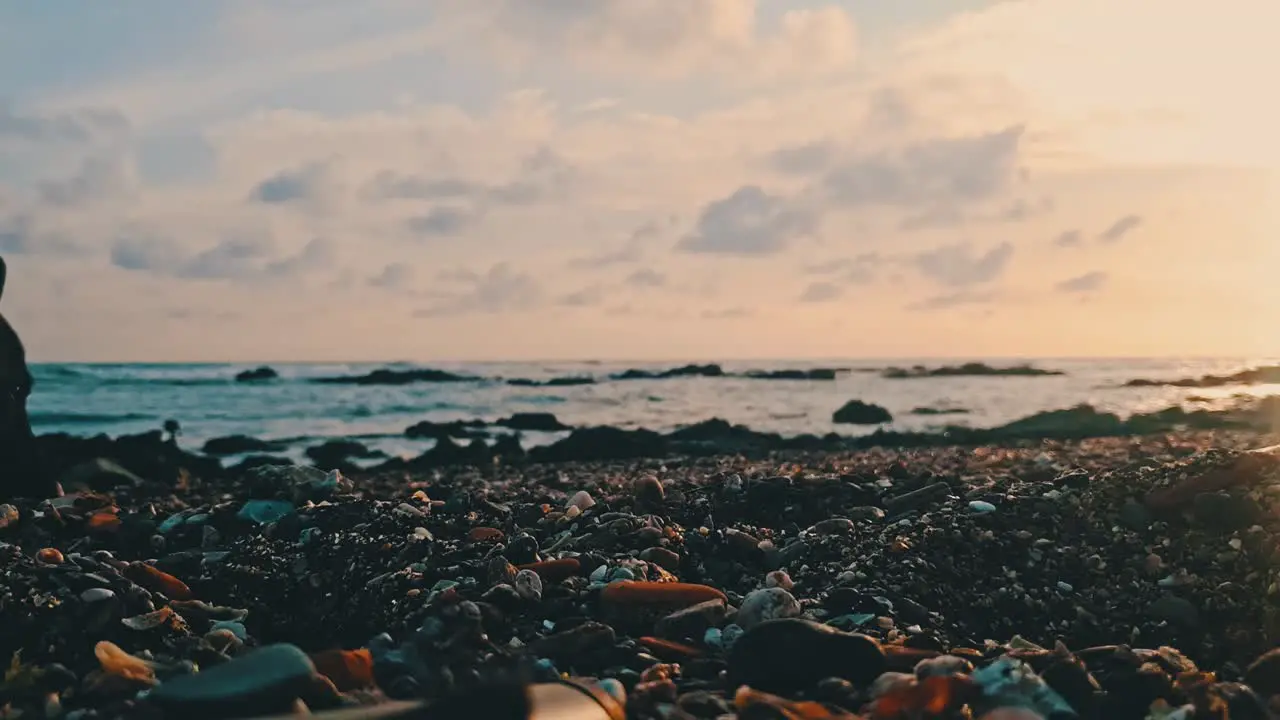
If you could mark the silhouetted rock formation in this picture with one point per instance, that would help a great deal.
(975, 369)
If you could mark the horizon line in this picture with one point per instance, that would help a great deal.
(671, 360)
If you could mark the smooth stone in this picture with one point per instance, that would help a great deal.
(1175, 610)
(264, 512)
(767, 604)
(791, 654)
(263, 681)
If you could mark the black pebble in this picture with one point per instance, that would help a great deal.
(791, 654)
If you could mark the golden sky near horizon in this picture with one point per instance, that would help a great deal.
(640, 179)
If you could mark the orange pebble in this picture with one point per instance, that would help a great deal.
(50, 556)
(103, 521)
(905, 659)
(633, 593)
(485, 534)
(347, 669)
(669, 650)
(157, 581)
(555, 570)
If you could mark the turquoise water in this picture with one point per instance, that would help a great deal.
(127, 398)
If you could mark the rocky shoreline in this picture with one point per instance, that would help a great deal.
(478, 442)
(874, 582)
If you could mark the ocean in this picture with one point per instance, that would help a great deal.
(88, 399)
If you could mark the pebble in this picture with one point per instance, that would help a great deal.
(8, 516)
(649, 491)
(792, 654)
(668, 560)
(267, 680)
(581, 500)
(765, 604)
(528, 585)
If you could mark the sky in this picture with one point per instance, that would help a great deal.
(256, 180)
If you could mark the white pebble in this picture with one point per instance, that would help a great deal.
(779, 578)
(767, 604)
(581, 500)
(529, 585)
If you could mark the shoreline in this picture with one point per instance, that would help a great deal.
(912, 546)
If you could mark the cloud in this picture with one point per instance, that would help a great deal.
(936, 172)
(79, 126)
(806, 159)
(586, 297)
(1120, 228)
(747, 222)
(944, 217)
(960, 298)
(442, 221)
(959, 265)
(99, 178)
(630, 252)
(1085, 283)
(292, 185)
(733, 313)
(1068, 238)
(235, 258)
(662, 40)
(393, 185)
(646, 278)
(499, 289)
(395, 276)
(820, 292)
(1022, 210)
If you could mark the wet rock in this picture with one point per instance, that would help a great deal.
(98, 474)
(856, 412)
(537, 421)
(258, 374)
(528, 585)
(239, 445)
(266, 680)
(789, 655)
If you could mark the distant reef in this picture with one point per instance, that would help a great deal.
(1254, 376)
(974, 369)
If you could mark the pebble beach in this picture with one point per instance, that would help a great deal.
(1115, 577)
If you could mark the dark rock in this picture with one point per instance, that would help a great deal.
(553, 382)
(240, 445)
(1224, 512)
(813, 374)
(683, 371)
(602, 443)
(938, 411)
(790, 655)
(258, 374)
(1176, 610)
(856, 412)
(387, 376)
(1264, 674)
(536, 421)
(336, 454)
(266, 680)
(1135, 516)
(916, 499)
(975, 369)
(426, 429)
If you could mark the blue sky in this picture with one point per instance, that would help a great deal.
(636, 178)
